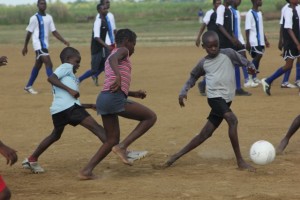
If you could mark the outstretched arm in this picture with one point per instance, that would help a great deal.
(53, 79)
(138, 94)
(60, 38)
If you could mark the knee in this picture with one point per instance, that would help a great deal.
(232, 120)
(56, 134)
(153, 118)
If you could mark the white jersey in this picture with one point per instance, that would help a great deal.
(237, 17)
(207, 16)
(62, 100)
(40, 26)
(283, 9)
(113, 26)
(254, 23)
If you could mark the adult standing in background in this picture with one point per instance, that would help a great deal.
(39, 26)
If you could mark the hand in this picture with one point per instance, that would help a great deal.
(9, 154)
(280, 45)
(181, 99)
(93, 106)
(24, 51)
(197, 42)
(140, 94)
(67, 43)
(267, 44)
(236, 42)
(116, 85)
(3, 60)
(74, 93)
(248, 47)
(252, 70)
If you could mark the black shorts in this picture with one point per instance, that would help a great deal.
(98, 60)
(218, 108)
(73, 116)
(290, 52)
(256, 50)
(41, 52)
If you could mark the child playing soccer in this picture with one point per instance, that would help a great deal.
(291, 45)
(113, 102)
(66, 108)
(218, 67)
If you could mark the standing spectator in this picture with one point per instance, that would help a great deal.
(255, 36)
(39, 27)
(200, 16)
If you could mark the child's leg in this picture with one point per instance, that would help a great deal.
(205, 133)
(292, 130)
(48, 141)
(298, 72)
(139, 112)
(232, 125)
(288, 65)
(111, 125)
(91, 124)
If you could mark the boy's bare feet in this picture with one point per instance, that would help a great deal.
(245, 166)
(282, 146)
(122, 153)
(84, 177)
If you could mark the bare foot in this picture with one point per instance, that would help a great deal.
(122, 153)
(85, 177)
(245, 166)
(282, 146)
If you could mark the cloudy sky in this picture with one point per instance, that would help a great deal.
(20, 2)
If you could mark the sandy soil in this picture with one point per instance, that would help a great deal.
(208, 172)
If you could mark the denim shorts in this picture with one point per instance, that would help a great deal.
(111, 103)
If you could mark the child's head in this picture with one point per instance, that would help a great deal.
(236, 3)
(102, 9)
(210, 42)
(72, 56)
(126, 38)
(105, 2)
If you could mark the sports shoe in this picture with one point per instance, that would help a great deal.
(250, 83)
(95, 80)
(287, 85)
(33, 166)
(256, 80)
(201, 87)
(241, 92)
(266, 86)
(136, 155)
(30, 90)
(297, 83)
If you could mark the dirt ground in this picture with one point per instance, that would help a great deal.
(208, 173)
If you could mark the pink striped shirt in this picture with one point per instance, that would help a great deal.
(124, 67)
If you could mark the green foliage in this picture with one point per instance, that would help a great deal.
(129, 11)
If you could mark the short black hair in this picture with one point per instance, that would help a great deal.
(123, 34)
(68, 52)
(287, 1)
(99, 6)
(208, 34)
(38, 1)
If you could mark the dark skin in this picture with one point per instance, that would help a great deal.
(3, 60)
(42, 6)
(133, 110)
(89, 122)
(211, 45)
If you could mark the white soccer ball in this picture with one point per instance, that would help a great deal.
(262, 152)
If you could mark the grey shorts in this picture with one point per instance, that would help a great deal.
(111, 103)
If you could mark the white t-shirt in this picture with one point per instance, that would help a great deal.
(62, 100)
(238, 19)
(254, 34)
(220, 15)
(113, 26)
(283, 9)
(207, 15)
(40, 26)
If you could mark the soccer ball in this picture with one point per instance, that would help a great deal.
(262, 152)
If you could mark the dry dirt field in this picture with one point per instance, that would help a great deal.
(208, 173)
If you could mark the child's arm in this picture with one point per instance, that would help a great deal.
(248, 46)
(138, 94)
(89, 105)
(196, 73)
(53, 79)
(3, 60)
(280, 41)
(113, 60)
(267, 42)
(9, 154)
